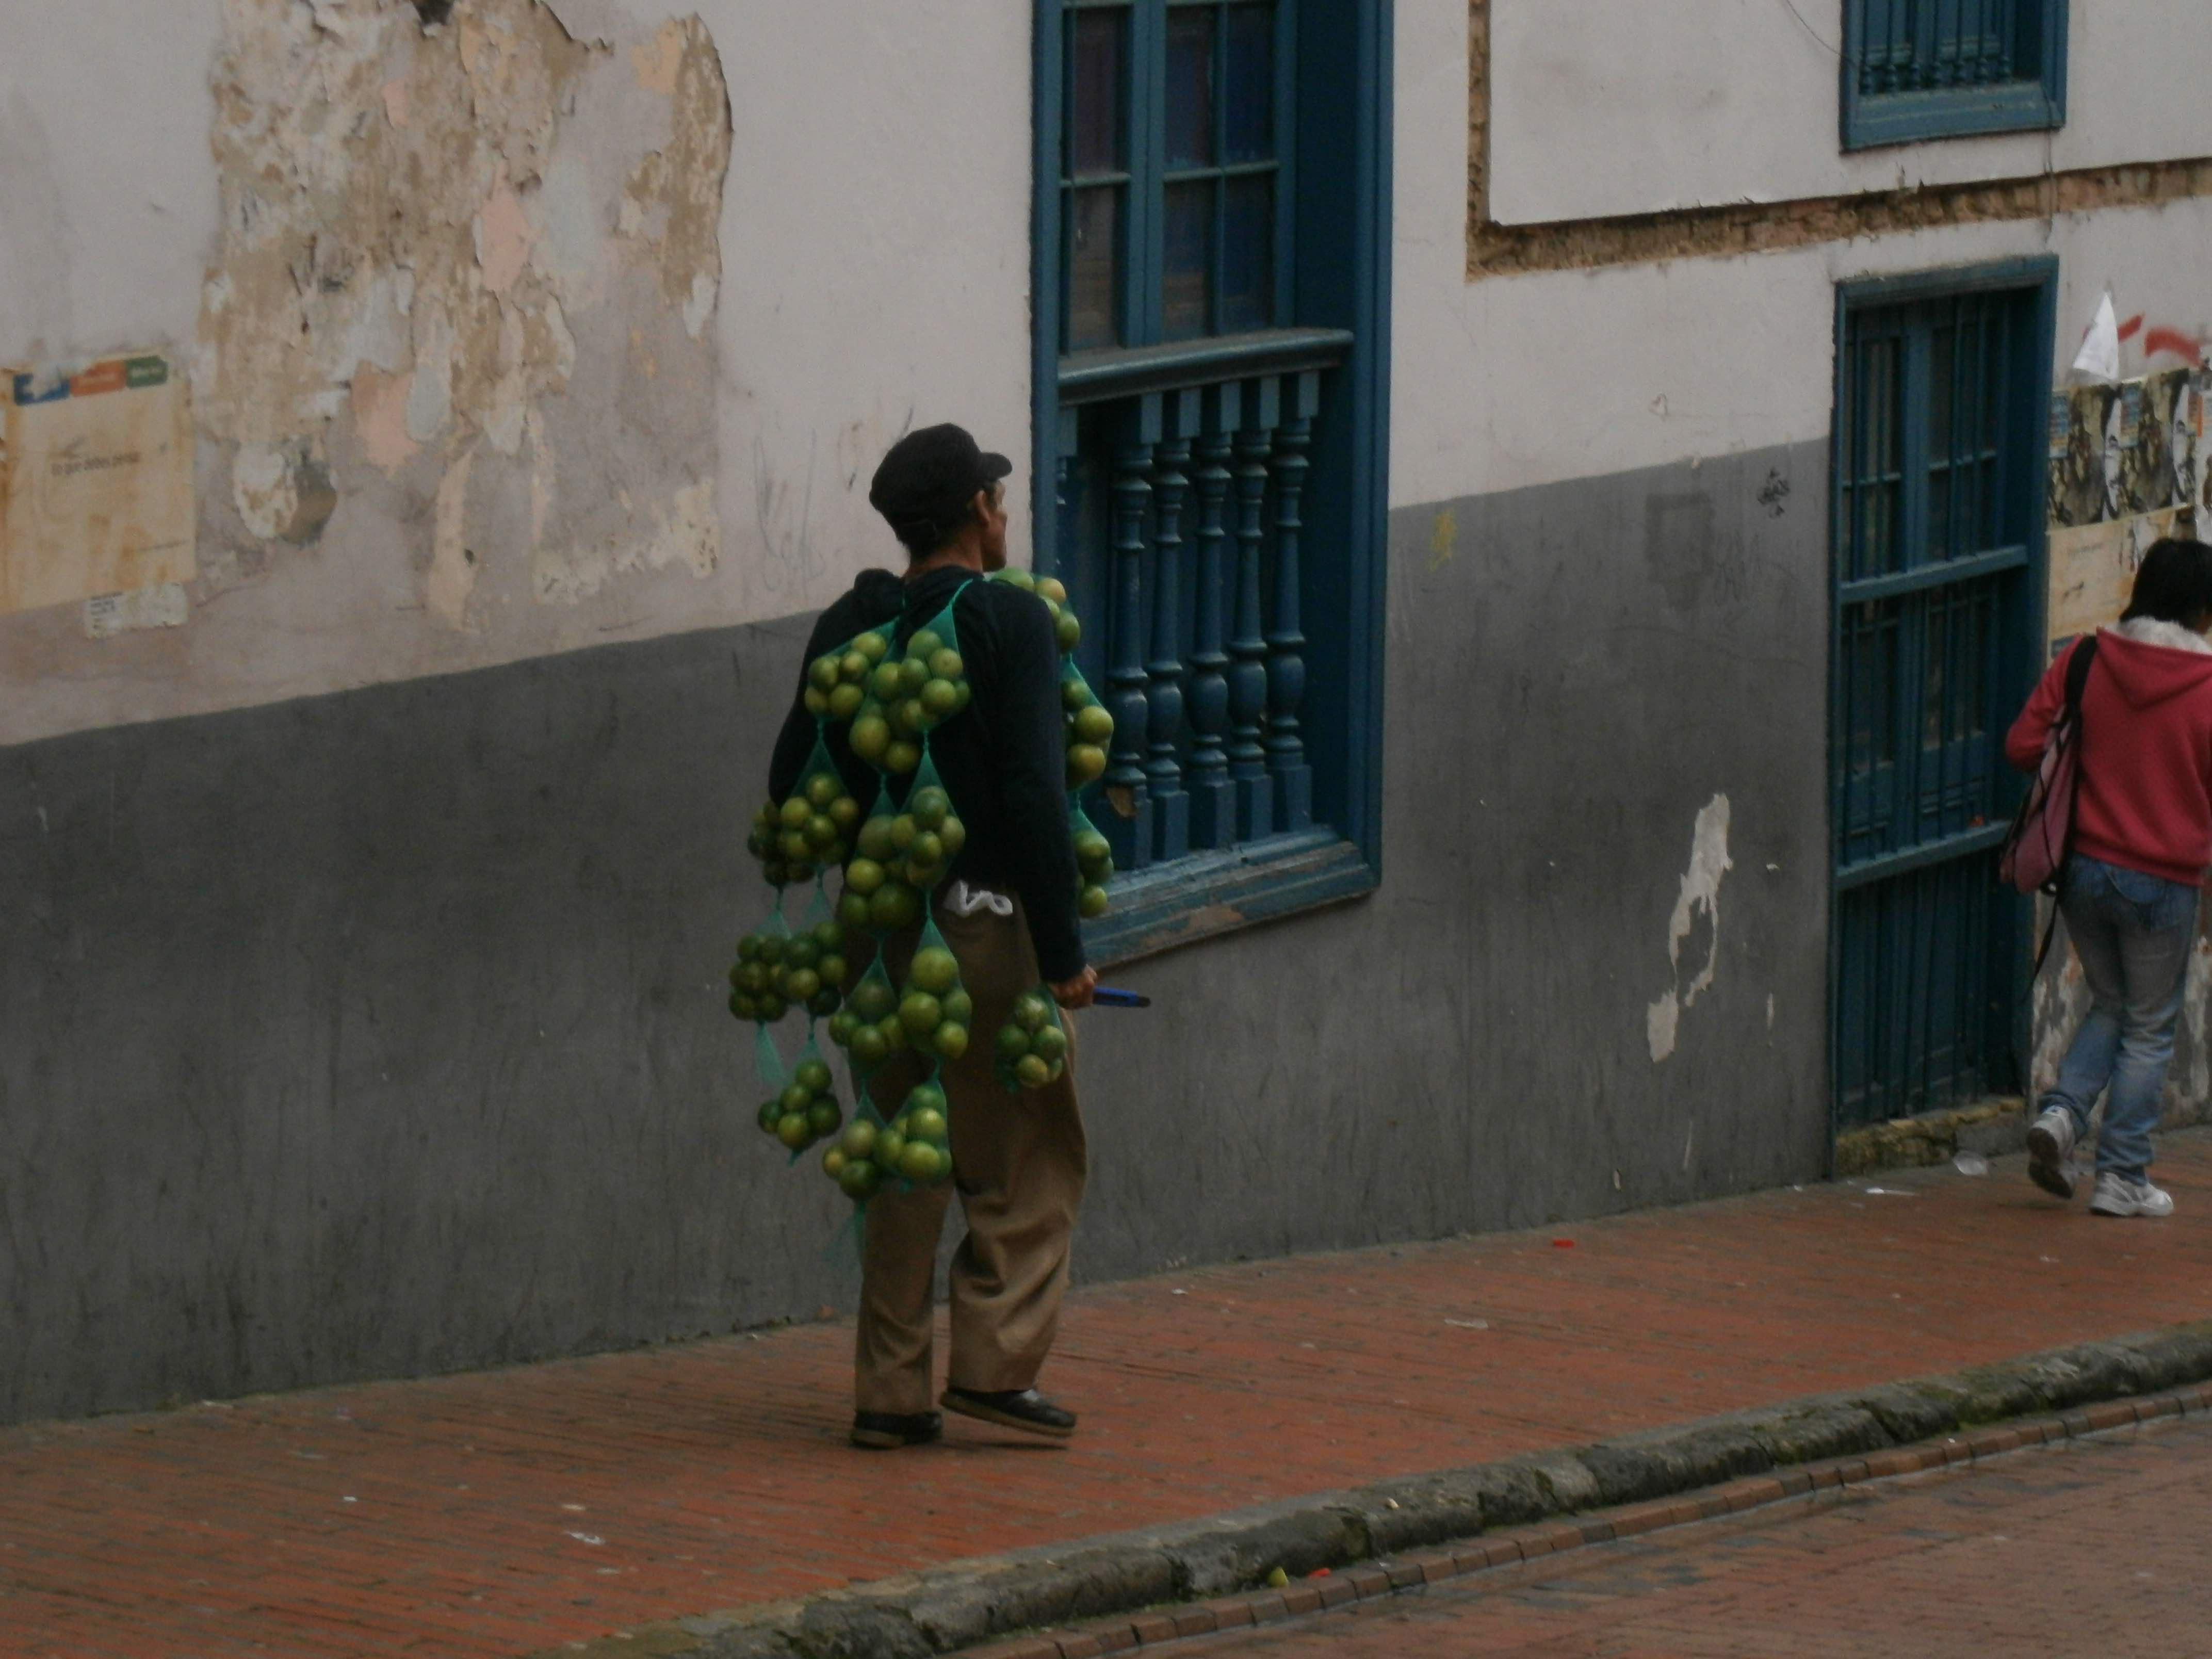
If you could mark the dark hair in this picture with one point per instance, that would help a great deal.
(923, 536)
(2175, 585)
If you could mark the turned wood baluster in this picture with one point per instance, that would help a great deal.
(1127, 792)
(1248, 645)
(1286, 666)
(1212, 798)
(1164, 765)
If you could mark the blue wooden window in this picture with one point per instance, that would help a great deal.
(1210, 411)
(1916, 70)
(1178, 121)
(1937, 537)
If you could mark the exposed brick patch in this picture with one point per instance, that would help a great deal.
(1495, 249)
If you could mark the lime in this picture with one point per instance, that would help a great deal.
(1013, 1042)
(1093, 902)
(959, 1007)
(925, 644)
(870, 736)
(751, 977)
(1049, 1045)
(1074, 694)
(771, 1009)
(894, 907)
(950, 1040)
(833, 1162)
(894, 1034)
(890, 1147)
(954, 835)
(796, 1096)
(840, 1027)
(844, 703)
(925, 1123)
(770, 1115)
(871, 645)
(901, 757)
(929, 807)
(868, 1046)
(913, 713)
(794, 813)
(946, 665)
(1068, 631)
(822, 672)
(863, 875)
(918, 1162)
(939, 698)
(1086, 763)
(884, 684)
(791, 1129)
(1031, 1012)
(858, 1181)
(914, 674)
(822, 1003)
(934, 970)
(795, 846)
(1032, 1072)
(823, 1118)
(812, 1075)
(816, 704)
(1094, 724)
(923, 1097)
(859, 1138)
(875, 839)
(1020, 579)
(920, 1012)
(852, 910)
(833, 970)
(873, 998)
(801, 952)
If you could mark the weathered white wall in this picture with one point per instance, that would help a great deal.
(1521, 380)
(1624, 106)
(873, 247)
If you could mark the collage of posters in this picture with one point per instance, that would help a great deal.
(2129, 464)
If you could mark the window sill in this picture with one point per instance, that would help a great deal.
(1209, 894)
(1911, 117)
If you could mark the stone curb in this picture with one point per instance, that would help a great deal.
(1159, 1570)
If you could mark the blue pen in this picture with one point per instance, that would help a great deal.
(1107, 997)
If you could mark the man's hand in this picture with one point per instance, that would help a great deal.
(1076, 993)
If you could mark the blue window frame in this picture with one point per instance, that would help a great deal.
(1916, 70)
(1211, 337)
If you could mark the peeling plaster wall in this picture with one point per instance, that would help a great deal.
(494, 351)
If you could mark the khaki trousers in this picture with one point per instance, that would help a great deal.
(1019, 1162)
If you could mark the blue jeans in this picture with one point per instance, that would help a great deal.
(2132, 933)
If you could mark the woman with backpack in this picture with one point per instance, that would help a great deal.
(2142, 836)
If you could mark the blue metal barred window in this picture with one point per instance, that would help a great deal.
(1941, 68)
(1209, 416)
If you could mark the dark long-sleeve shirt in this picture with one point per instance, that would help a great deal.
(1003, 758)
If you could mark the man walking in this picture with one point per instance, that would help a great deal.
(1008, 910)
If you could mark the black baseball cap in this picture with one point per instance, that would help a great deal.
(927, 479)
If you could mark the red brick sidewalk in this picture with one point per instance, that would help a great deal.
(502, 1513)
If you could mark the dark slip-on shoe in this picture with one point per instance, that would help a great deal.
(889, 1430)
(1012, 1408)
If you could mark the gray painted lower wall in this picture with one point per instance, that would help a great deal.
(382, 1033)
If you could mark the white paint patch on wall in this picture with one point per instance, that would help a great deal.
(1700, 895)
(1608, 107)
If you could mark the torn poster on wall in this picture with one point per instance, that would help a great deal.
(95, 481)
(2128, 464)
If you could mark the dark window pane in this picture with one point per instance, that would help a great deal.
(1094, 105)
(1247, 254)
(1093, 266)
(1250, 92)
(1188, 265)
(1190, 86)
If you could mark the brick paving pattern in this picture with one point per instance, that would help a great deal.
(503, 1513)
(2088, 1547)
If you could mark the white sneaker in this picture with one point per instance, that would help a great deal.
(2050, 1151)
(2119, 1194)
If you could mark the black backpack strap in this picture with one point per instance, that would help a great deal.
(2077, 681)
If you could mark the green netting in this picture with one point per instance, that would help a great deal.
(1032, 1045)
(804, 1110)
(1067, 626)
(926, 835)
(1090, 727)
(934, 1008)
(837, 680)
(815, 824)
(817, 967)
(877, 897)
(1094, 862)
(870, 1020)
(917, 689)
(759, 986)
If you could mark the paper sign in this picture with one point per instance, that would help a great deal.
(96, 491)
